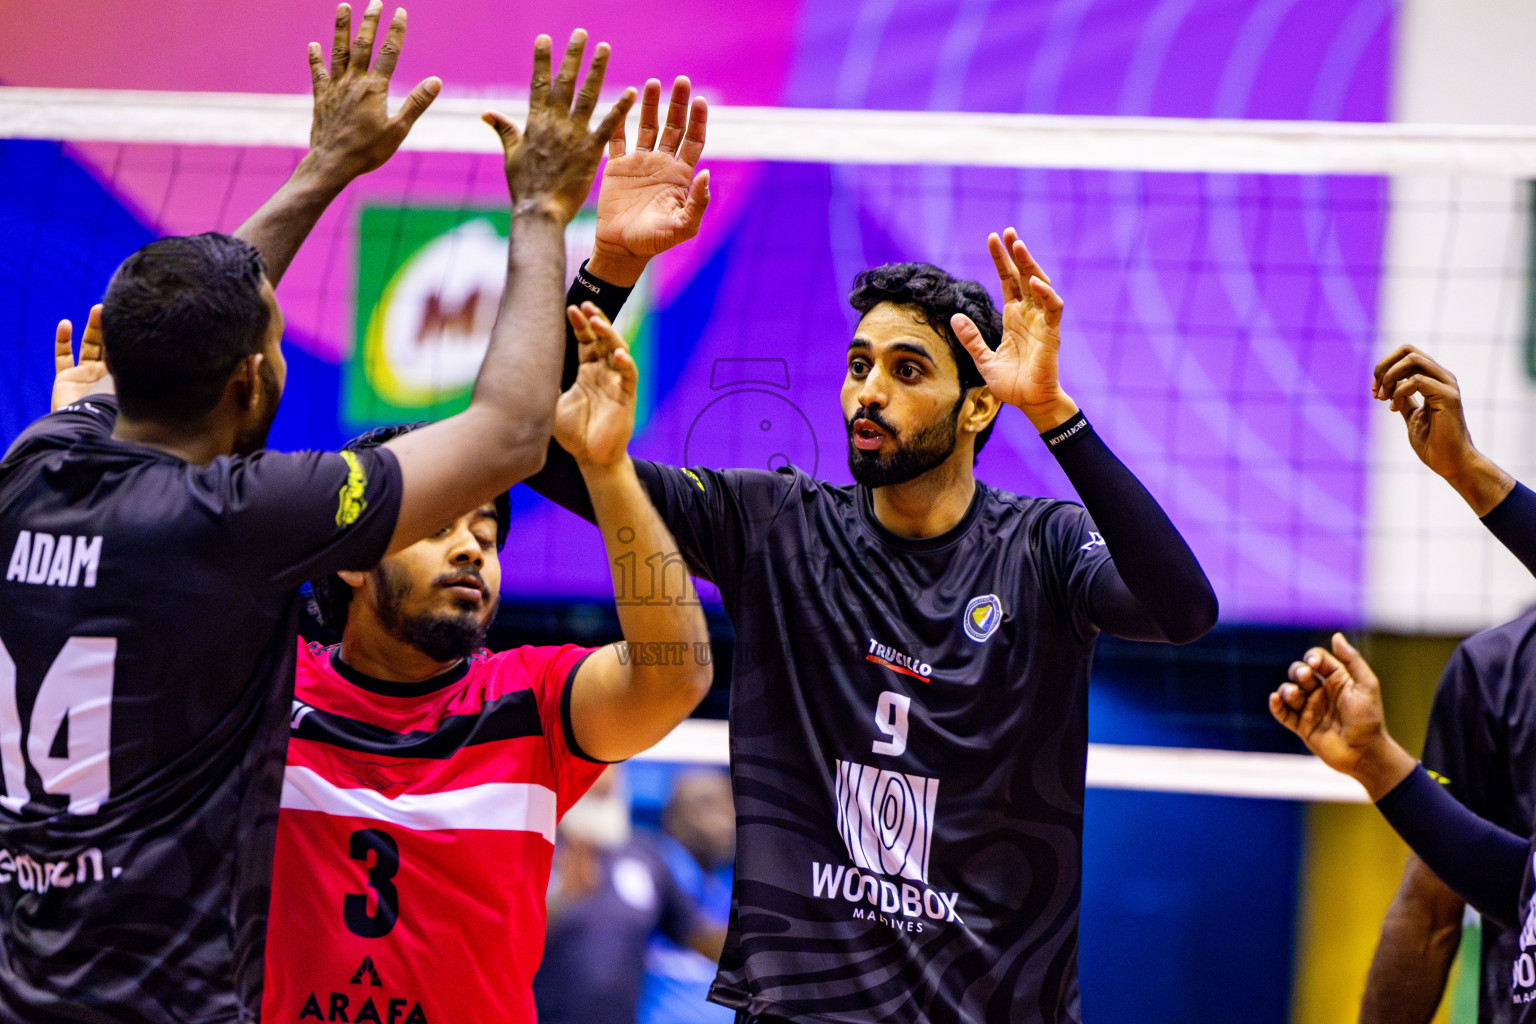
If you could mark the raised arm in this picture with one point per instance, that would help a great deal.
(1332, 700)
(1428, 398)
(351, 134)
(1154, 589)
(466, 460)
(628, 696)
(651, 198)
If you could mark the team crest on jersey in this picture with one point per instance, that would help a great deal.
(982, 617)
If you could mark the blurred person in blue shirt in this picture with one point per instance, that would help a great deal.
(698, 845)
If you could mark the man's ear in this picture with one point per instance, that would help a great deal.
(979, 409)
(352, 578)
(245, 382)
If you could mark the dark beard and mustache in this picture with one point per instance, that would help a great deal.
(440, 636)
(912, 457)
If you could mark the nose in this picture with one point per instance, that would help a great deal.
(871, 390)
(465, 549)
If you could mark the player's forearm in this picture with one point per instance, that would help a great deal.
(560, 478)
(1419, 937)
(1482, 863)
(1479, 481)
(659, 612)
(1150, 555)
(284, 221)
(519, 379)
(1513, 521)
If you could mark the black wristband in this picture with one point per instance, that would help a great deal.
(609, 298)
(1077, 426)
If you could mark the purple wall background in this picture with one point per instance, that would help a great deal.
(1219, 328)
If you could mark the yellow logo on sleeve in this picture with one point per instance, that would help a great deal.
(349, 500)
(691, 475)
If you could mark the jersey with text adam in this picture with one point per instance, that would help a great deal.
(908, 744)
(415, 839)
(147, 620)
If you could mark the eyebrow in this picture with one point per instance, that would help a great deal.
(910, 347)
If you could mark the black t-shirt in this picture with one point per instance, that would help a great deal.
(1482, 743)
(909, 732)
(148, 614)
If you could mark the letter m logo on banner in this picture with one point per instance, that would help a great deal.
(886, 819)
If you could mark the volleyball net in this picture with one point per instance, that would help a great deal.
(1229, 287)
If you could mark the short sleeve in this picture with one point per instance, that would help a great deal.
(303, 515)
(716, 516)
(1068, 552)
(92, 417)
(549, 671)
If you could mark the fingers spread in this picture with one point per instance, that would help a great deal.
(592, 85)
(646, 139)
(677, 117)
(317, 75)
(342, 39)
(693, 142)
(389, 49)
(565, 81)
(418, 101)
(698, 199)
(538, 87)
(1028, 266)
(90, 341)
(970, 336)
(505, 128)
(362, 45)
(1007, 273)
(616, 115)
(63, 352)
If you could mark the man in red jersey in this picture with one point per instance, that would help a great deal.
(425, 775)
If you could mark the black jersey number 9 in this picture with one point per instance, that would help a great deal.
(386, 862)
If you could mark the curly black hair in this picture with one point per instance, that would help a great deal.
(935, 296)
(331, 596)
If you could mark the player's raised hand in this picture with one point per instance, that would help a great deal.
(73, 381)
(1332, 700)
(1023, 371)
(596, 415)
(651, 197)
(353, 132)
(551, 163)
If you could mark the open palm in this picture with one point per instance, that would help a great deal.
(1023, 370)
(650, 198)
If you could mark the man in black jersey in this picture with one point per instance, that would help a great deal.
(153, 551)
(908, 706)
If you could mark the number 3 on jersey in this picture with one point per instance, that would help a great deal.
(385, 855)
(72, 711)
(891, 719)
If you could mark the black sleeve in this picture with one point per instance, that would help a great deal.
(1152, 588)
(95, 416)
(1513, 522)
(560, 481)
(298, 516)
(1483, 863)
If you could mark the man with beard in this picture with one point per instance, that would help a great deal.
(149, 605)
(908, 704)
(425, 776)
